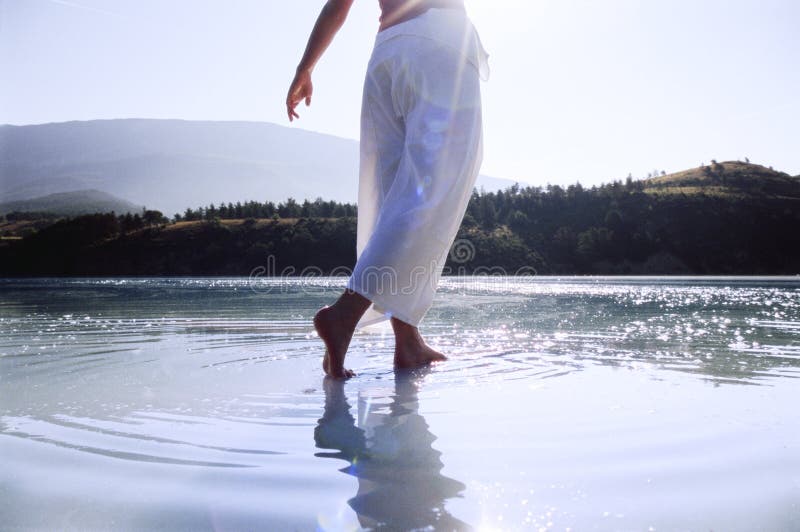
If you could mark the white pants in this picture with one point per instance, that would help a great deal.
(421, 149)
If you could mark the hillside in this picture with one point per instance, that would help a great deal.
(689, 224)
(72, 204)
(731, 178)
(169, 165)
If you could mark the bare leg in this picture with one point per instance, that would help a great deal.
(410, 350)
(335, 325)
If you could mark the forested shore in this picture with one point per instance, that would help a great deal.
(721, 219)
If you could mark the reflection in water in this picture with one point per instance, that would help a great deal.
(400, 484)
(200, 394)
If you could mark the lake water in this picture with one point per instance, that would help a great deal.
(572, 403)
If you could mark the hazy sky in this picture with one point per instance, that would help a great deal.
(580, 90)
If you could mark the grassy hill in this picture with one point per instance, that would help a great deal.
(730, 178)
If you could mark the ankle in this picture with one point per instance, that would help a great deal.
(410, 340)
(345, 316)
(350, 306)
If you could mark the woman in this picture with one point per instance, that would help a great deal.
(421, 149)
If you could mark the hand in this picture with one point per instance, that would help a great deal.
(301, 89)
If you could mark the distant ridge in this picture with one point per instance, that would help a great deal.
(72, 203)
(170, 165)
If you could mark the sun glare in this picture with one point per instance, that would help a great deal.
(496, 12)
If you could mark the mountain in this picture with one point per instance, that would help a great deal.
(170, 165)
(72, 203)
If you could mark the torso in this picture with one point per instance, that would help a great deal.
(397, 11)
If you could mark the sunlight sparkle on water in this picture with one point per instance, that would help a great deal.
(565, 404)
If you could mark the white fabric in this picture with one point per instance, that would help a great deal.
(421, 149)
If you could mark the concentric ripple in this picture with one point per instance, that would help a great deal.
(216, 384)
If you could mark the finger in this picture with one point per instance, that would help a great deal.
(308, 100)
(291, 104)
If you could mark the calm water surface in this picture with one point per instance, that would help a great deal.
(572, 403)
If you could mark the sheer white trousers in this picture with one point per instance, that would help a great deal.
(421, 150)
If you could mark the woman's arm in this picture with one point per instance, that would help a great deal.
(330, 19)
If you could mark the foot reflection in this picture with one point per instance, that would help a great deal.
(400, 485)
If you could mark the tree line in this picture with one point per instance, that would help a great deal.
(290, 208)
(629, 227)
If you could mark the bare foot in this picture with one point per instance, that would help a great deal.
(335, 332)
(414, 354)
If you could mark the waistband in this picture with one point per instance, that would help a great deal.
(450, 27)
